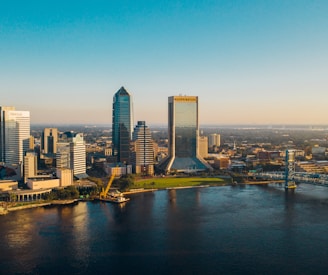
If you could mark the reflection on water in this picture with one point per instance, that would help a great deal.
(173, 196)
(240, 229)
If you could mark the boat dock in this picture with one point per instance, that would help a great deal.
(139, 190)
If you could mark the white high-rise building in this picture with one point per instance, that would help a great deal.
(143, 153)
(78, 153)
(71, 153)
(14, 135)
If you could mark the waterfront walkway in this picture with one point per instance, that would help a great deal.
(23, 195)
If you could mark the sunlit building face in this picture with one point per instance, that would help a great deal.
(184, 125)
(14, 135)
(183, 135)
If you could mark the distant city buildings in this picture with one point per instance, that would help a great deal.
(31, 143)
(214, 142)
(48, 148)
(122, 125)
(179, 150)
(143, 150)
(183, 131)
(49, 141)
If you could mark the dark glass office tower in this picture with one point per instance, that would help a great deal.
(122, 125)
(183, 136)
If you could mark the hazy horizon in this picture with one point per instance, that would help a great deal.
(163, 125)
(249, 62)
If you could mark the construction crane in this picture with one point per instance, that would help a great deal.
(103, 193)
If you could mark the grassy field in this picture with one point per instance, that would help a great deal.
(160, 183)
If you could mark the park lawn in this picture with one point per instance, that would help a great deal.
(167, 182)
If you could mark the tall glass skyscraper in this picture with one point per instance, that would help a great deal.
(122, 125)
(183, 136)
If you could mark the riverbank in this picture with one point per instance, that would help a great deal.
(11, 207)
(177, 182)
(64, 202)
(187, 187)
(221, 230)
(27, 206)
(139, 190)
(266, 182)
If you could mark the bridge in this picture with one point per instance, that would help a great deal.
(298, 177)
(291, 177)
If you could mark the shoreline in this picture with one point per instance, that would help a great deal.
(139, 190)
(187, 187)
(7, 210)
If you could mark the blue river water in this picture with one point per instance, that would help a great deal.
(217, 230)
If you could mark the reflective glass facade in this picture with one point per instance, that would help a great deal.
(183, 135)
(122, 125)
(185, 129)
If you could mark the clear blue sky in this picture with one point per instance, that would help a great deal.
(248, 61)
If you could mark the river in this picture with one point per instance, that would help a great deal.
(217, 230)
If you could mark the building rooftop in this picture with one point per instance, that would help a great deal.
(122, 92)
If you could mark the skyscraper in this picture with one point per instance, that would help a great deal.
(71, 153)
(49, 140)
(122, 123)
(183, 136)
(3, 131)
(143, 153)
(14, 135)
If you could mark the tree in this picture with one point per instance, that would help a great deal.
(69, 192)
(126, 182)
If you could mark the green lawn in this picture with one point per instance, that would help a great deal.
(160, 183)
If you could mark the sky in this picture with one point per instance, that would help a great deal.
(249, 62)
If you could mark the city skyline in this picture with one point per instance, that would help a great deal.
(249, 62)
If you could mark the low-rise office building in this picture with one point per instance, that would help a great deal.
(42, 183)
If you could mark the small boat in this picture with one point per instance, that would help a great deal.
(119, 199)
